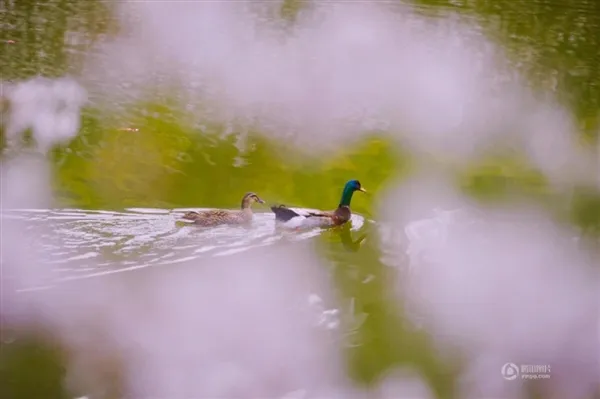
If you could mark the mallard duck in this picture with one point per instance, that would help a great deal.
(321, 218)
(223, 216)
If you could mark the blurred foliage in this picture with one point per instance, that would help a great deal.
(554, 42)
(154, 157)
(290, 8)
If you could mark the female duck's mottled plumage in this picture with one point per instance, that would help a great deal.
(336, 217)
(221, 216)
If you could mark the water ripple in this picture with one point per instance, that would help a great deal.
(80, 244)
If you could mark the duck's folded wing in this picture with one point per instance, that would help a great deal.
(319, 214)
(284, 214)
(318, 219)
(283, 211)
(191, 215)
(208, 214)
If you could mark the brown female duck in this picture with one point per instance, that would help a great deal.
(222, 216)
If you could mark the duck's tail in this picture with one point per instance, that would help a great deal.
(283, 214)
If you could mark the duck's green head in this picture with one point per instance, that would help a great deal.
(349, 189)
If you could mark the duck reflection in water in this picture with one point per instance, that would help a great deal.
(345, 234)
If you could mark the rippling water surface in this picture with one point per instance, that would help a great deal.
(89, 243)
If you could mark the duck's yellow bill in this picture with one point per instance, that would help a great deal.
(362, 189)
